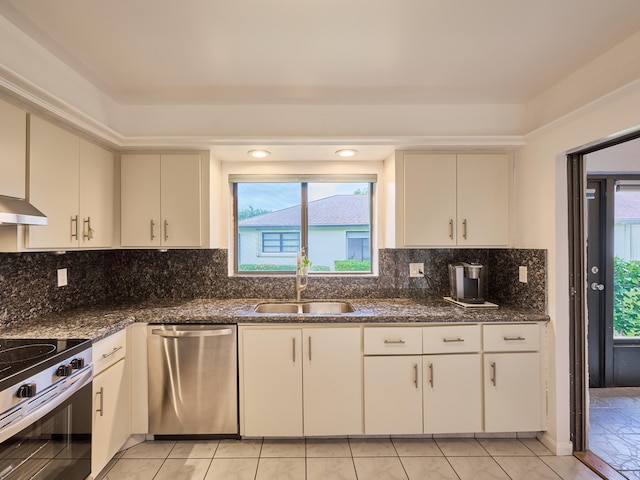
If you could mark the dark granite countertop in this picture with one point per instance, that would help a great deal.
(98, 323)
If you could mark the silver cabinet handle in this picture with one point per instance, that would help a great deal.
(464, 229)
(451, 229)
(514, 339)
(166, 230)
(294, 349)
(493, 373)
(112, 352)
(453, 340)
(101, 409)
(74, 227)
(394, 342)
(214, 332)
(152, 225)
(309, 347)
(431, 375)
(87, 231)
(415, 374)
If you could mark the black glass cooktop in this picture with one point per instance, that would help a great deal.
(21, 357)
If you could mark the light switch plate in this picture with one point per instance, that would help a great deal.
(522, 273)
(416, 269)
(62, 277)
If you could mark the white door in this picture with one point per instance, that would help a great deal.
(140, 201)
(393, 395)
(111, 414)
(271, 379)
(452, 393)
(180, 201)
(332, 379)
(512, 392)
(96, 196)
(429, 199)
(483, 200)
(54, 177)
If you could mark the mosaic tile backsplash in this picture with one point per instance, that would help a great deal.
(28, 281)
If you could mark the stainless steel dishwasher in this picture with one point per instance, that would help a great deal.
(193, 379)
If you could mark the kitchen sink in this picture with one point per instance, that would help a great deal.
(322, 308)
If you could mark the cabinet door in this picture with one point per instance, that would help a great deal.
(53, 185)
(332, 381)
(483, 200)
(393, 395)
(140, 197)
(271, 378)
(512, 392)
(111, 414)
(452, 393)
(96, 196)
(13, 150)
(180, 200)
(429, 199)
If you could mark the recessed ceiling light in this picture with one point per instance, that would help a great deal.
(259, 153)
(346, 152)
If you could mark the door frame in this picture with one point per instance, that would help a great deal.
(576, 192)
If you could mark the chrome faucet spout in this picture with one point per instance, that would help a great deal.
(301, 275)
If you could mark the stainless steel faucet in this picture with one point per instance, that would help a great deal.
(301, 275)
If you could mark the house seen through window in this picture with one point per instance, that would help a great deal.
(331, 221)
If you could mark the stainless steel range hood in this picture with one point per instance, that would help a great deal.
(15, 211)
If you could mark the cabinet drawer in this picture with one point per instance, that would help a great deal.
(393, 341)
(451, 339)
(511, 338)
(108, 351)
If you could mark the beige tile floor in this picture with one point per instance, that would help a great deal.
(345, 459)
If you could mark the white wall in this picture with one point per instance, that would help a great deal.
(541, 221)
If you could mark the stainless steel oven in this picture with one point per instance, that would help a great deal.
(46, 409)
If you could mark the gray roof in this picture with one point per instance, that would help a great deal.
(329, 211)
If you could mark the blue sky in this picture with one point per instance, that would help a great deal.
(276, 196)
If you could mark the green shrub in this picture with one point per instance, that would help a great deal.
(352, 265)
(626, 297)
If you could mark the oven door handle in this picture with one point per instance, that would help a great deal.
(82, 378)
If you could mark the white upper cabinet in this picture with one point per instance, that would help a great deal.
(54, 178)
(13, 150)
(96, 196)
(71, 182)
(161, 200)
(453, 200)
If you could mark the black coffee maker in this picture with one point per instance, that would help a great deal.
(467, 282)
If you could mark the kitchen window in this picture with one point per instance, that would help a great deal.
(329, 217)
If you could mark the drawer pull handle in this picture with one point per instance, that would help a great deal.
(394, 342)
(294, 349)
(514, 339)
(112, 352)
(493, 373)
(451, 229)
(415, 374)
(101, 393)
(453, 340)
(431, 374)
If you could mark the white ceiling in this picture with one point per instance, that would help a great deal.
(324, 52)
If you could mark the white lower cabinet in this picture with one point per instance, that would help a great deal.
(272, 382)
(401, 380)
(392, 395)
(300, 381)
(512, 392)
(111, 400)
(452, 393)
